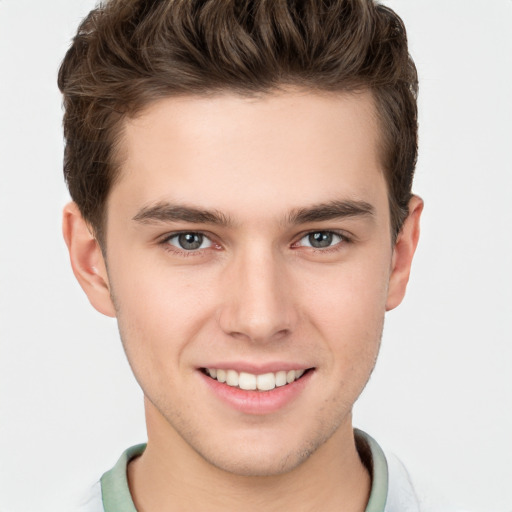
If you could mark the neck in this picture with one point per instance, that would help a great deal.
(171, 476)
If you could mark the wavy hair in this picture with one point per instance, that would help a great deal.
(129, 53)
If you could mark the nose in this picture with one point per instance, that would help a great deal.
(258, 298)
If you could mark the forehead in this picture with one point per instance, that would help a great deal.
(236, 153)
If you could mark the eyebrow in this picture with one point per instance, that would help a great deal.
(167, 212)
(331, 210)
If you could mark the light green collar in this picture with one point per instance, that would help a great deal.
(375, 461)
(116, 493)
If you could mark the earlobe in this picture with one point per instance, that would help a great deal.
(403, 253)
(87, 260)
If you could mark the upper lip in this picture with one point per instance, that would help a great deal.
(258, 368)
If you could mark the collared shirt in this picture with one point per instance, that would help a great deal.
(391, 489)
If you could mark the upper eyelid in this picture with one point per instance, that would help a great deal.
(174, 234)
(343, 234)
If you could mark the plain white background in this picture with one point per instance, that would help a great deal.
(441, 396)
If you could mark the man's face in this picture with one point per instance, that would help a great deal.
(251, 236)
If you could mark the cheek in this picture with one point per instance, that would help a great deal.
(348, 309)
(158, 313)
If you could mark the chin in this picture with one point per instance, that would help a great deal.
(257, 465)
(264, 456)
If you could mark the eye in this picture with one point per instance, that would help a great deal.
(189, 241)
(321, 239)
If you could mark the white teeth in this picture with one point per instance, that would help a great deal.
(232, 378)
(246, 381)
(266, 382)
(281, 378)
(251, 382)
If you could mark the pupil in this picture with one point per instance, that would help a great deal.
(320, 239)
(190, 241)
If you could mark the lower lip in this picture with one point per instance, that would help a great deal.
(257, 402)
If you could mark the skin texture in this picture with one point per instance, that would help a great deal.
(255, 293)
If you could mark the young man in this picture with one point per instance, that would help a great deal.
(241, 179)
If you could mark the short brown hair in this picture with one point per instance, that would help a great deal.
(128, 53)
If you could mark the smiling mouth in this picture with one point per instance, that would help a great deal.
(252, 382)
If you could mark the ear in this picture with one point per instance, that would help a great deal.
(403, 253)
(87, 260)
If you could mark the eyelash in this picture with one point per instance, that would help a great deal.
(345, 239)
(183, 252)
